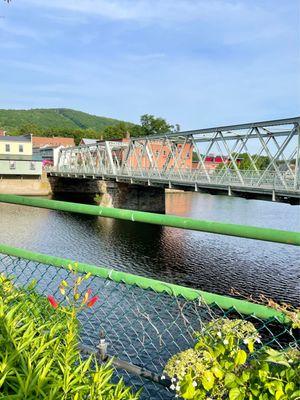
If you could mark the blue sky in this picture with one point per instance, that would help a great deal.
(198, 63)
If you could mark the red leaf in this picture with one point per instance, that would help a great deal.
(92, 301)
(52, 301)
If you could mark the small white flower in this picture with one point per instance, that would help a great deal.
(194, 383)
(172, 387)
(163, 377)
(225, 341)
(246, 341)
(173, 379)
(219, 334)
(258, 340)
(177, 388)
(176, 395)
(177, 361)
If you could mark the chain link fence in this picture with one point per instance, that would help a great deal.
(142, 327)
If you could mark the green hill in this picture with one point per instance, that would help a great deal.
(51, 119)
(77, 124)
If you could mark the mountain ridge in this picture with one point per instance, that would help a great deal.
(53, 118)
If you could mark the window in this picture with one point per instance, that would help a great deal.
(21, 149)
(7, 147)
(188, 155)
(157, 153)
(12, 165)
(32, 166)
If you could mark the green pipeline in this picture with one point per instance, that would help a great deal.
(223, 302)
(221, 228)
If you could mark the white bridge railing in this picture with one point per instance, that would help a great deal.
(169, 158)
(253, 179)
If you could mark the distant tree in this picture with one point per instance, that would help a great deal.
(261, 162)
(117, 131)
(149, 125)
(155, 125)
(136, 131)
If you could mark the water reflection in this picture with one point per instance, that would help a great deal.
(209, 262)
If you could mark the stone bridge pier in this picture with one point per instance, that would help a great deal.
(111, 193)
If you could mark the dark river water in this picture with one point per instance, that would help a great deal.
(205, 261)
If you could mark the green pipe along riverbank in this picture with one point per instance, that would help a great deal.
(221, 228)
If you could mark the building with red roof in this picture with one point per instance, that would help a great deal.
(42, 141)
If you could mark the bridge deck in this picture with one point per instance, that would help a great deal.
(267, 191)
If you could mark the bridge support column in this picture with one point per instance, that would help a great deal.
(135, 197)
(111, 193)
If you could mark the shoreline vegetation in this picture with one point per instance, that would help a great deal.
(39, 349)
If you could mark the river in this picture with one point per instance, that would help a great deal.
(205, 261)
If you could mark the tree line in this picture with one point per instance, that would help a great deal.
(149, 125)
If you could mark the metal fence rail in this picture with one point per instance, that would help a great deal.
(145, 321)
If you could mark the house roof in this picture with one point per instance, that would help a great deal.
(49, 147)
(25, 138)
(39, 141)
(88, 141)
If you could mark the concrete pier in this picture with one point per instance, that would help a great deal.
(113, 194)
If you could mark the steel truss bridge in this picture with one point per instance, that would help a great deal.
(183, 160)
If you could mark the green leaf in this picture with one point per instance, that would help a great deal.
(251, 346)
(245, 376)
(187, 389)
(295, 395)
(262, 375)
(276, 357)
(279, 394)
(32, 284)
(230, 380)
(234, 394)
(240, 358)
(208, 380)
(289, 387)
(217, 372)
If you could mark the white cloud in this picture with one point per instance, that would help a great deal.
(153, 9)
(243, 20)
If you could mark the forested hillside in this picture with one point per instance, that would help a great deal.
(53, 118)
(70, 123)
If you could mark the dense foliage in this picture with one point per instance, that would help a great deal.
(52, 118)
(228, 362)
(39, 356)
(261, 162)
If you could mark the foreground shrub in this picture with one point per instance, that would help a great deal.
(224, 364)
(39, 356)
